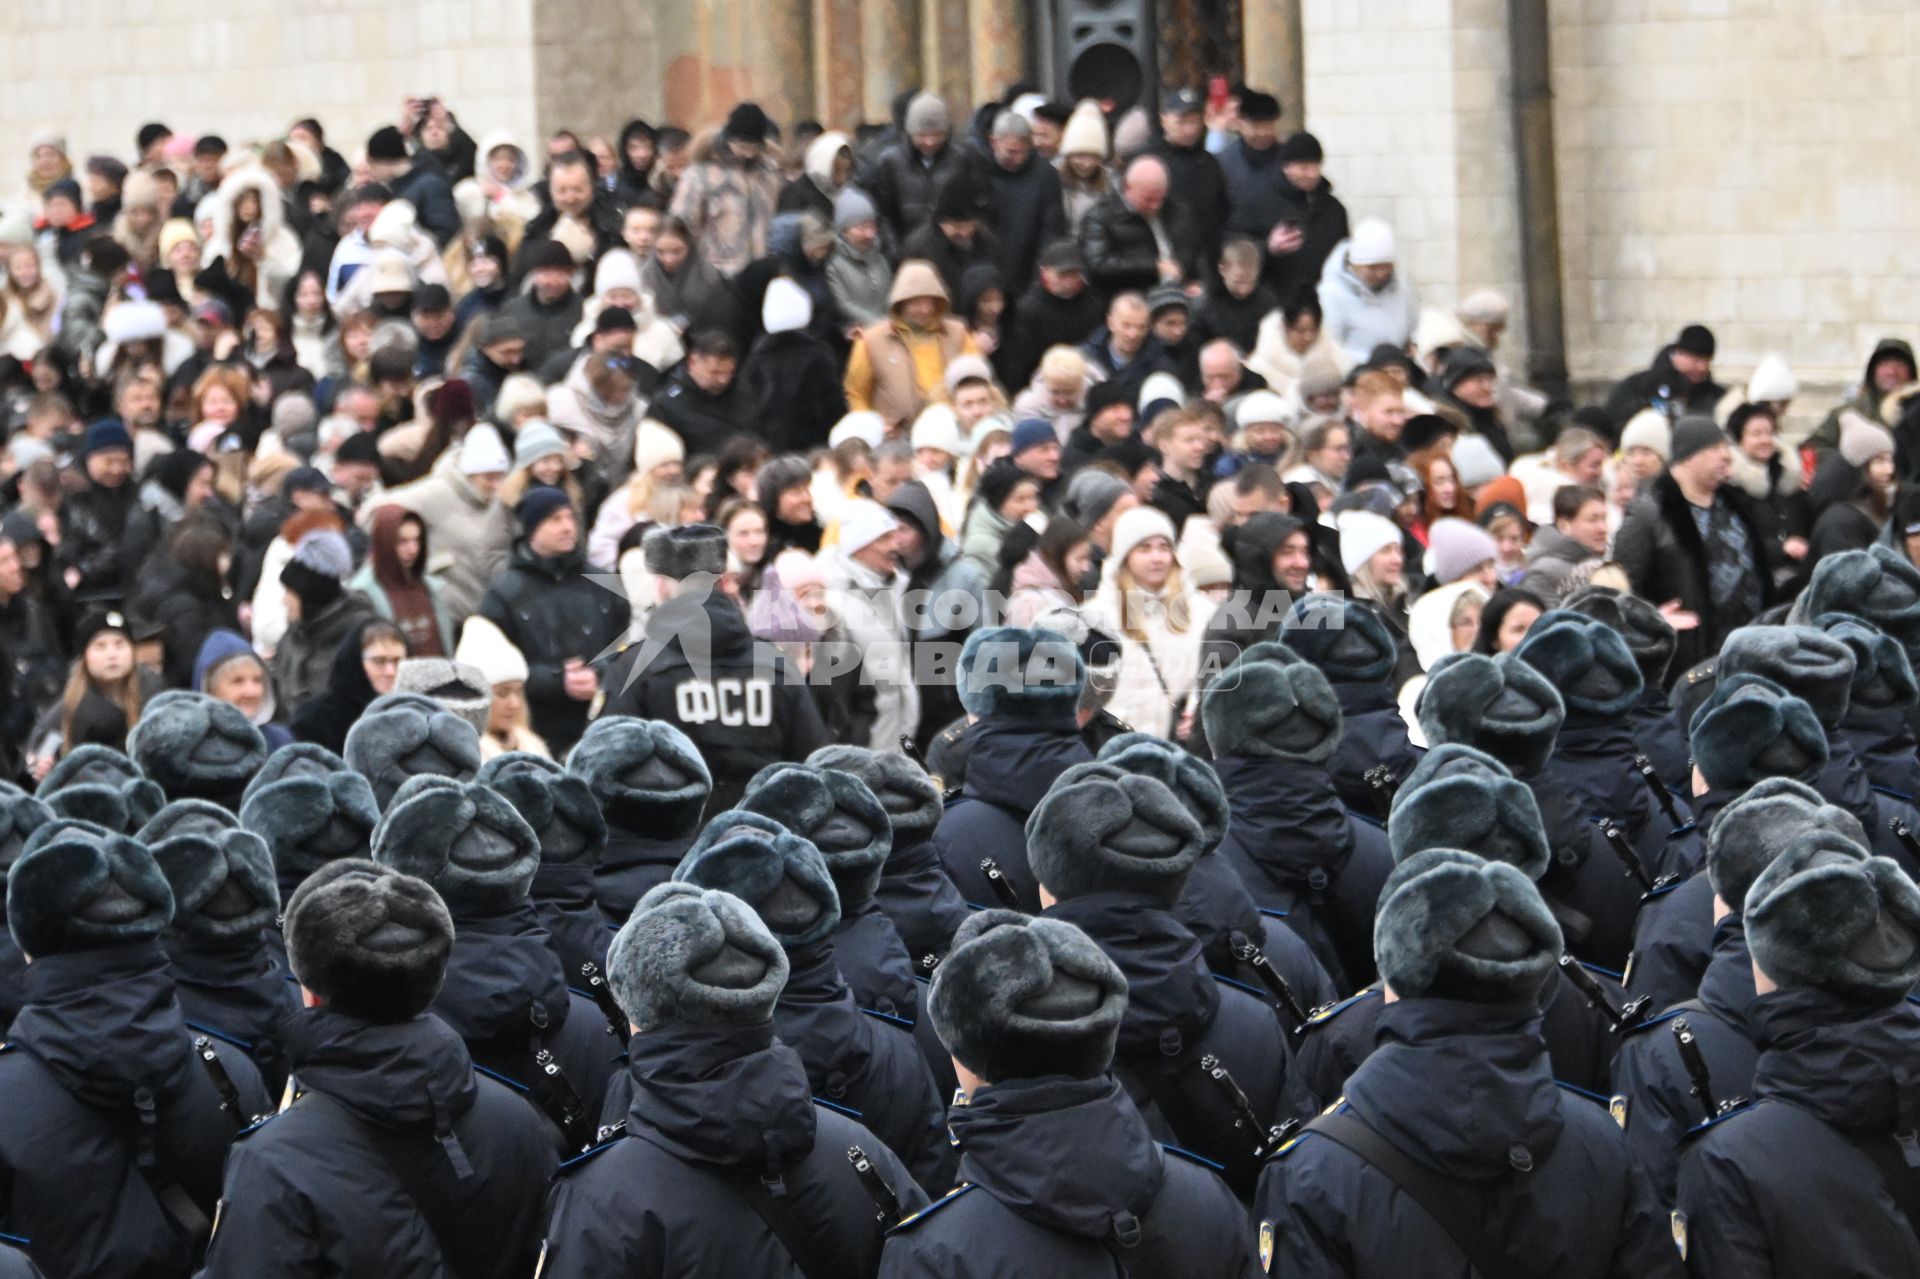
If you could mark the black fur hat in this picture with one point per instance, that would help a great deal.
(693, 956)
(371, 941)
(1454, 926)
(311, 809)
(781, 875)
(1752, 728)
(1095, 834)
(464, 839)
(1183, 772)
(558, 805)
(1882, 676)
(197, 747)
(221, 876)
(1014, 672)
(78, 886)
(20, 815)
(456, 686)
(1346, 639)
(1587, 660)
(405, 735)
(679, 552)
(648, 775)
(1649, 635)
(1458, 797)
(1810, 664)
(1828, 916)
(1021, 997)
(838, 814)
(1756, 828)
(1270, 702)
(100, 785)
(912, 799)
(1877, 584)
(1499, 705)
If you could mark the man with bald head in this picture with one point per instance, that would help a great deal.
(1135, 238)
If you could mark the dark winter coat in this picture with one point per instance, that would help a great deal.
(1197, 183)
(631, 865)
(952, 261)
(1023, 1209)
(325, 717)
(1465, 1090)
(101, 1030)
(240, 993)
(428, 189)
(1302, 855)
(1883, 742)
(875, 962)
(1845, 783)
(917, 895)
(303, 662)
(1672, 943)
(30, 637)
(1660, 547)
(1038, 321)
(1783, 1187)
(564, 903)
(1262, 196)
(1010, 767)
(1658, 735)
(773, 714)
(106, 534)
(187, 607)
(1121, 251)
(903, 183)
(792, 381)
(1372, 733)
(312, 1191)
(703, 420)
(1218, 909)
(711, 1108)
(1660, 387)
(1023, 208)
(551, 611)
(547, 326)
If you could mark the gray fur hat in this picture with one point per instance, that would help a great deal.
(1102, 834)
(1752, 728)
(781, 875)
(558, 805)
(197, 747)
(1458, 797)
(680, 551)
(1020, 997)
(100, 785)
(1015, 672)
(1454, 926)
(1882, 676)
(221, 876)
(1587, 660)
(835, 812)
(1650, 636)
(464, 839)
(648, 775)
(460, 688)
(311, 809)
(911, 798)
(1498, 704)
(20, 815)
(1828, 916)
(1810, 664)
(1346, 639)
(1877, 584)
(1270, 702)
(371, 941)
(403, 735)
(78, 886)
(693, 956)
(1183, 772)
(1756, 828)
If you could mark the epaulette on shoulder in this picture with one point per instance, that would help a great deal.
(933, 1207)
(837, 1108)
(1303, 1132)
(222, 1036)
(1327, 1012)
(905, 1023)
(1658, 1019)
(569, 1165)
(256, 1126)
(499, 1078)
(1662, 888)
(1187, 1155)
(1699, 1128)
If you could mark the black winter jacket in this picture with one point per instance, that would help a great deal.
(1010, 767)
(903, 182)
(1038, 321)
(1883, 742)
(631, 865)
(1660, 547)
(1372, 733)
(106, 534)
(563, 901)
(551, 611)
(1023, 207)
(917, 895)
(793, 383)
(1121, 251)
(241, 993)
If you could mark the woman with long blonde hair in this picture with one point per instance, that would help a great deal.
(1145, 599)
(104, 696)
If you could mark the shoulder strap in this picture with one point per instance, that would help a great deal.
(1442, 1200)
(814, 1254)
(1892, 1158)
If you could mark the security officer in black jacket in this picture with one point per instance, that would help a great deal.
(398, 1156)
(699, 669)
(114, 1117)
(722, 1165)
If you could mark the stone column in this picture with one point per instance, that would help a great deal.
(889, 54)
(997, 46)
(945, 64)
(1275, 55)
(838, 96)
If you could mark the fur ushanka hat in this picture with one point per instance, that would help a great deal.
(558, 805)
(1458, 797)
(1750, 729)
(464, 839)
(20, 815)
(1454, 926)
(1346, 639)
(1826, 915)
(837, 814)
(459, 687)
(1587, 661)
(1499, 705)
(372, 942)
(197, 747)
(647, 775)
(1883, 678)
(911, 798)
(1099, 834)
(693, 956)
(221, 875)
(1877, 584)
(1020, 673)
(1807, 662)
(1272, 703)
(781, 875)
(311, 809)
(403, 735)
(1649, 636)
(100, 785)
(79, 886)
(1750, 833)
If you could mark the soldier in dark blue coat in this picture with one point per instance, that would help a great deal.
(228, 981)
(1273, 723)
(1059, 1173)
(398, 1157)
(1880, 705)
(1879, 585)
(1810, 1179)
(196, 747)
(1460, 1093)
(722, 1166)
(1025, 733)
(95, 783)
(565, 816)
(652, 787)
(1113, 857)
(310, 809)
(1653, 1090)
(1353, 647)
(1656, 733)
(1461, 797)
(20, 815)
(114, 1121)
(505, 992)
(405, 735)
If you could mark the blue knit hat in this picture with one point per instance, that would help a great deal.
(541, 503)
(1031, 434)
(107, 433)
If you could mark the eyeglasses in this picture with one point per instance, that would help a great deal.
(380, 661)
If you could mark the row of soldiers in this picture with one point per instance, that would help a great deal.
(402, 1012)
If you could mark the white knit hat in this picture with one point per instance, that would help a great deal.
(1772, 381)
(1159, 386)
(1364, 535)
(1861, 439)
(1085, 133)
(1371, 243)
(486, 647)
(1260, 406)
(864, 522)
(1475, 462)
(1136, 525)
(482, 453)
(655, 445)
(1455, 548)
(861, 424)
(1648, 429)
(787, 306)
(617, 270)
(937, 428)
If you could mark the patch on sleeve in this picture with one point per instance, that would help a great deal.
(1266, 1247)
(1680, 1232)
(1617, 1107)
